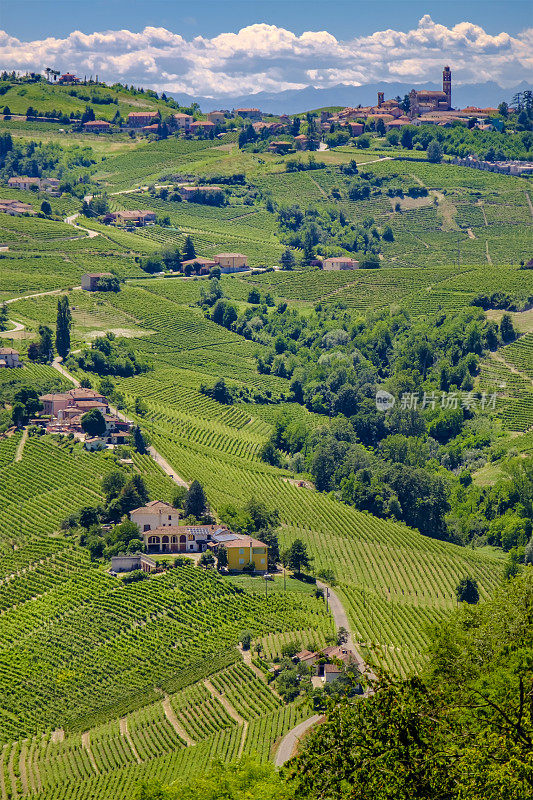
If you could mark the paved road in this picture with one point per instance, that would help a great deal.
(341, 621)
(288, 744)
(156, 455)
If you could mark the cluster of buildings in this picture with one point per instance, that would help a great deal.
(228, 262)
(426, 107)
(16, 209)
(329, 663)
(149, 121)
(131, 219)
(159, 525)
(50, 185)
(9, 358)
(63, 412)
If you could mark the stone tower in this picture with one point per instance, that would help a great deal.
(447, 85)
(381, 98)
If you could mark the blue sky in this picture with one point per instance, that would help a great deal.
(230, 47)
(36, 19)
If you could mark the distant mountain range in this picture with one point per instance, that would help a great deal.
(295, 101)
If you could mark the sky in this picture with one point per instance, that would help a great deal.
(231, 47)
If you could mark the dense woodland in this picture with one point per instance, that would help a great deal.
(414, 462)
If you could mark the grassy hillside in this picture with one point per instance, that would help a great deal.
(68, 100)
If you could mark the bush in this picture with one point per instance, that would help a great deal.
(467, 591)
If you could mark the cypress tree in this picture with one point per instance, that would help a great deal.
(64, 324)
(188, 250)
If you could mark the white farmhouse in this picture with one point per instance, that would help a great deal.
(156, 514)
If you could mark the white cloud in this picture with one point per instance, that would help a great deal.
(265, 57)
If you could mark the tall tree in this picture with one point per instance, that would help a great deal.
(195, 502)
(63, 326)
(297, 556)
(189, 250)
(507, 330)
(467, 591)
(222, 557)
(46, 348)
(3, 317)
(138, 440)
(288, 261)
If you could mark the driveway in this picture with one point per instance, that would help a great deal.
(341, 621)
(289, 742)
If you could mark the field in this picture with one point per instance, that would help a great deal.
(106, 683)
(181, 732)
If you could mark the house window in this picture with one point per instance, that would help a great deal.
(146, 528)
(241, 553)
(262, 561)
(191, 537)
(241, 560)
(169, 516)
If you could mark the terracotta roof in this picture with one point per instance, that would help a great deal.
(155, 505)
(56, 396)
(432, 94)
(332, 669)
(82, 404)
(4, 351)
(304, 655)
(137, 214)
(98, 275)
(173, 530)
(230, 255)
(23, 179)
(84, 392)
(205, 262)
(242, 541)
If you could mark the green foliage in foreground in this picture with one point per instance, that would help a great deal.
(462, 730)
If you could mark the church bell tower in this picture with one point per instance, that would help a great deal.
(447, 85)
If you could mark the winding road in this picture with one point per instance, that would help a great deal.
(290, 741)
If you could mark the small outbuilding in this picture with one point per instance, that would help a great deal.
(9, 358)
(89, 281)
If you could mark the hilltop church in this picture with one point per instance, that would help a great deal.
(423, 101)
